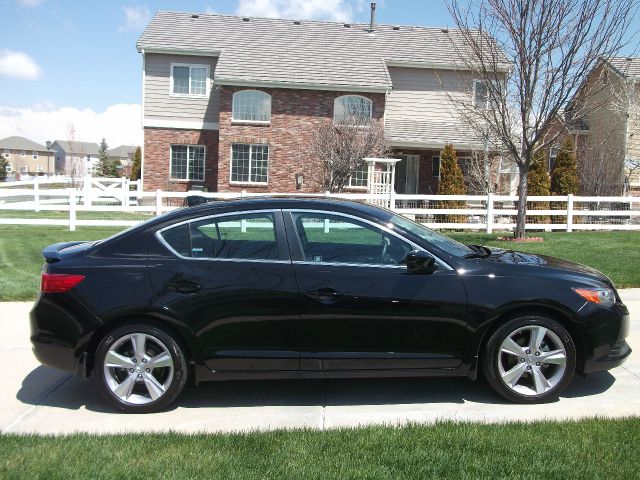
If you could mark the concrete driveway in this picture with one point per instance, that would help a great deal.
(39, 399)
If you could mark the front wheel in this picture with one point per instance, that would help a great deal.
(140, 369)
(530, 359)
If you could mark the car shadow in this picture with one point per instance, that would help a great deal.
(72, 393)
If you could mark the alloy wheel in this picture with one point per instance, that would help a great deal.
(138, 368)
(532, 360)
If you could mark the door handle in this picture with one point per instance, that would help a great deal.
(324, 295)
(184, 287)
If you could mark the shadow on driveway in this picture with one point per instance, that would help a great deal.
(70, 392)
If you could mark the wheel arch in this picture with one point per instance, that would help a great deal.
(545, 311)
(182, 336)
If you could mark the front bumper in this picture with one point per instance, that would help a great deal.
(610, 349)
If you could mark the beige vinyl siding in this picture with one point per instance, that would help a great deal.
(160, 104)
(424, 94)
(633, 132)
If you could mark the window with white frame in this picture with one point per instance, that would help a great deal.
(435, 166)
(8, 168)
(6, 154)
(23, 153)
(553, 154)
(249, 163)
(251, 106)
(360, 177)
(187, 162)
(34, 154)
(39, 168)
(480, 95)
(352, 109)
(24, 169)
(189, 79)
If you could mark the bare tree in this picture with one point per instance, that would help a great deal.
(338, 150)
(73, 164)
(527, 59)
(601, 163)
(482, 172)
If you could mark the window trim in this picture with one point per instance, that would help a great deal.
(190, 95)
(253, 122)
(359, 187)
(34, 154)
(39, 168)
(475, 98)
(299, 252)
(237, 182)
(278, 229)
(335, 102)
(204, 166)
(9, 167)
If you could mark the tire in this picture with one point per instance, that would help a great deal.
(522, 373)
(140, 385)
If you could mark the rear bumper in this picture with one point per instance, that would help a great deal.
(56, 356)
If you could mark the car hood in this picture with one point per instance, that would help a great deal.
(545, 261)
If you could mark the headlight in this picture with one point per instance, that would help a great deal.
(601, 296)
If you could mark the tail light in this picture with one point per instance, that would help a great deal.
(59, 282)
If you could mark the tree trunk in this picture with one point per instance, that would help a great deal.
(522, 202)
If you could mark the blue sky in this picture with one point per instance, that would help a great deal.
(65, 62)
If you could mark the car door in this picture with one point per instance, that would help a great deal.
(230, 279)
(361, 308)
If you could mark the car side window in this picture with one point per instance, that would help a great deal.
(335, 239)
(245, 236)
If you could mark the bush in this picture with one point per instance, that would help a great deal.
(538, 183)
(564, 177)
(451, 183)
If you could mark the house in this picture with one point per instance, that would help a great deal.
(75, 159)
(123, 156)
(229, 103)
(26, 156)
(603, 120)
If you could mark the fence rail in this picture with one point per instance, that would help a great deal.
(123, 203)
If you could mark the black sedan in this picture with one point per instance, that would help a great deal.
(304, 288)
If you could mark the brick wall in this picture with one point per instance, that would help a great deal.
(157, 144)
(294, 114)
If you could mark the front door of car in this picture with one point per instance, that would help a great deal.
(230, 279)
(361, 308)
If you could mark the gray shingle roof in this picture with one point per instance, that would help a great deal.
(627, 66)
(123, 151)
(86, 148)
(21, 143)
(436, 135)
(313, 53)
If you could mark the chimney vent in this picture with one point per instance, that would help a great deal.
(195, 15)
(245, 19)
(396, 27)
(296, 22)
(373, 17)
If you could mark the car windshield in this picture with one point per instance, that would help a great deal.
(441, 241)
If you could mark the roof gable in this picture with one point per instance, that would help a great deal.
(21, 143)
(84, 148)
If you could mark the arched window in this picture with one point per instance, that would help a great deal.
(251, 106)
(352, 109)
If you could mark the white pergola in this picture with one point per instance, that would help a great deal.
(381, 177)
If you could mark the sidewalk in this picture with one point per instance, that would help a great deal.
(43, 400)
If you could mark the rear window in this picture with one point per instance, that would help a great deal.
(244, 236)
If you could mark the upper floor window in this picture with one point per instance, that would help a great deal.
(189, 79)
(34, 155)
(352, 109)
(553, 154)
(23, 153)
(187, 162)
(251, 106)
(480, 94)
(605, 77)
(6, 154)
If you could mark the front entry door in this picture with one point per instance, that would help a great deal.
(361, 308)
(407, 172)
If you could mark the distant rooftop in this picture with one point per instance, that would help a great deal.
(303, 53)
(84, 148)
(123, 151)
(627, 66)
(21, 143)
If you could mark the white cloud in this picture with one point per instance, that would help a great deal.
(119, 124)
(18, 65)
(30, 3)
(336, 10)
(136, 18)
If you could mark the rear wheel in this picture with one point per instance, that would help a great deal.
(530, 359)
(140, 368)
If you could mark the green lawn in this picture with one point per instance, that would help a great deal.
(614, 253)
(590, 449)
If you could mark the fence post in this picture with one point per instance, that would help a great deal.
(392, 198)
(243, 193)
(72, 209)
(125, 194)
(86, 187)
(327, 193)
(36, 194)
(570, 212)
(490, 213)
(158, 202)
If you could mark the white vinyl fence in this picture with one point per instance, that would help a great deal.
(118, 202)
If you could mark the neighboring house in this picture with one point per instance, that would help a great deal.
(75, 159)
(124, 156)
(603, 120)
(229, 103)
(26, 156)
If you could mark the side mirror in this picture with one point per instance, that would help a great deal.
(419, 261)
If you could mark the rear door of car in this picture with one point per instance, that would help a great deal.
(361, 308)
(229, 277)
